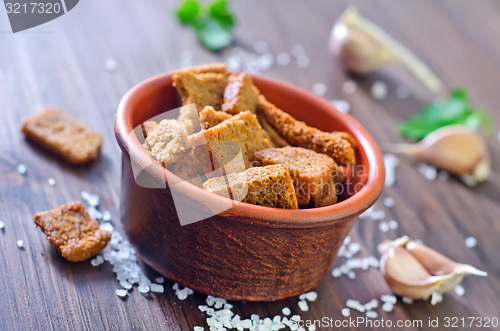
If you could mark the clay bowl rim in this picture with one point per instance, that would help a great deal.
(253, 214)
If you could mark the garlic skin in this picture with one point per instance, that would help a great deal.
(417, 271)
(363, 47)
(453, 148)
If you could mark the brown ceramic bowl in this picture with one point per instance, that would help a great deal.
(247, 252)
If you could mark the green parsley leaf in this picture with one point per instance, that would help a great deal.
(213, 35)
(219, 11)
(439, 113)
(188, 11)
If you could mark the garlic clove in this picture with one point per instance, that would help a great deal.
(453, 148)
(416, 271)
(362, 47)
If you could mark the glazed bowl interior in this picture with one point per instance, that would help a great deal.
(364, 182)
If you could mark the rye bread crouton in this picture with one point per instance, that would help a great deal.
(230, 144)
(209, 117)
(62, 135)
(269, 186)
(72, 231)
(297, 133)
(311, 172)
(202, 85)
(240, 94)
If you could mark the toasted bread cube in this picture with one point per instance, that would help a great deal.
(168, 142)
(148, 127)
(202, 85)
(269, 186)
(297, 133)
(311, 172)
(72, 231)
(240, 94)
(188, 116)
(230, 144)
(209, 117)
(62, 135)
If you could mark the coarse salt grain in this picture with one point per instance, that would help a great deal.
(459, 290)
(2, 226)
(22, 169)
(355, 304)
(286, 311)
(391, 162)
(121, 293)
(309, 296)
(388, 202)
(261, 46)
(303, 305)
(436, 298)
(341, 105)
(110, 65)
(319, 89)
(346, 312)
(354, 248)
(97, 261)
(372, 304)
(388, 298)
(283, 59)
(371, 314)
(379, 90)
(402, 92)
(387, 307)
(407, 300)
(156, 288)
(198, 328)
(393, 224)
(107, 226)
(470, 242)
(51, 181)
(91, 199)
(350, 87)
(20, 243)
(383, 227)
(143, 288)
(160, 280)
(429, 172)
(94, 213)
(106, 216)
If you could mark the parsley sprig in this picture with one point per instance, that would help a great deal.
(212, 23)
(440, 112)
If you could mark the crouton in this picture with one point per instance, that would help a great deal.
(297, 133)
(230, 144)
(269, 186)
(209, 117)
(276, 139)
(311, 172)
(240, 94)
(168, 142)
(62, 135)
(148, 127)
(188, 116)
(72, 231)
(202, 85)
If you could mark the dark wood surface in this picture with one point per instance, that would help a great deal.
(62, 63)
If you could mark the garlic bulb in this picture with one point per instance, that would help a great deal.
(453, 148)
(417, 271)
(363, 47)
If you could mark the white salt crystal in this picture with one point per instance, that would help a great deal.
(159, 280)
(91, 199)
(402, 92)
(219, 303)
(347, 240)
(341, 105)
(351, 275)
(286, 311)
(372, 304)
(379, 90)
(261, 46)
(156, 288)
(303, 305)
(391, 162)
(283, 59)
(371, 314)
(354, 248)
(459, 290)
(346, 312)
(198, 328)
(106, 216)
(303, 61)
(383, 227)
(436, 298)
(94, 213)
(2, 225)
(387, 307)
(51, 181)
(336, 272)
(350, 87)
(106, 226)
(97, 261)
(407, 300)
(111, 65)
(429, 172)
(121, 293)
(22, 169)
(393, 224)
(311, 327)
(470, 242)
(309, 296)
(319, 89)
(388, 202)
(20, 243)
(126, 285)
(295, 318)
(388, 298)
(355, 304)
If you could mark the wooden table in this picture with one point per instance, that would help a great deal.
(62, 63)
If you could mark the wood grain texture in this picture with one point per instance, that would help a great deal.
(62, 63)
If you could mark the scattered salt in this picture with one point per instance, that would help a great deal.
(371, 314)
(319, 89)
(341, 105)
(350, 87)
(379, 90)
(106, 216)
(121, 293)
(346, 312)
(407, 300)
(388, 298)
(107, 226)
(303, 61)
(126, 285)
(388, 202)
(429, 172)
(94, 213)
(261, 46)
(160, 280)
(393, 224)
(97, 261)
(387, 307)
(20, 243)
(303, 305)
(198, 328)
(2, 226)
(351, 275)
(355, 304)
(402, 92)
(436, 298)
(22, 169)
(143, 288)
(51, 181)
(157, 288)
(383, 227)
(459, 290)
(283, 59)
(286, 311)
(470, 242)
(354, 248)
(309, 296)
(372, 304)
(391, 162)
(111, 65)
(91, 199)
